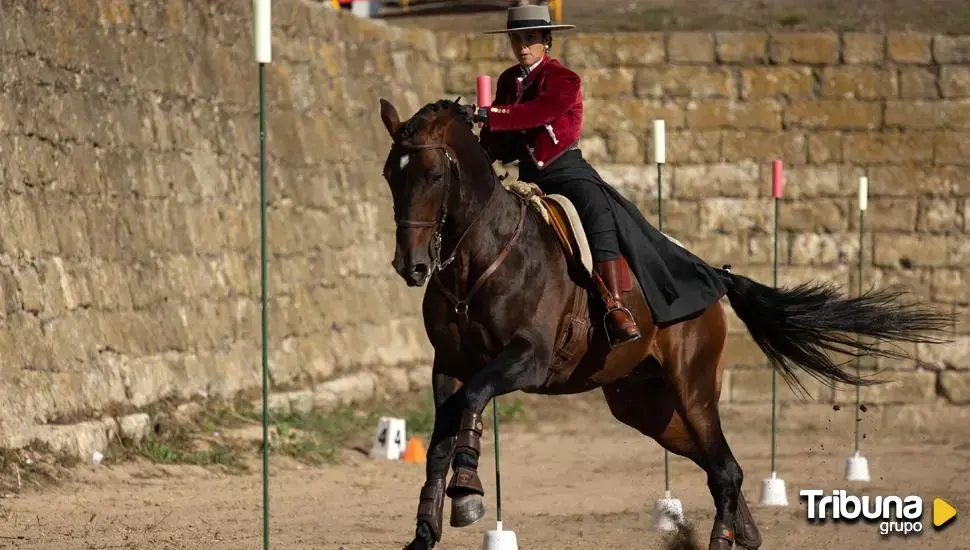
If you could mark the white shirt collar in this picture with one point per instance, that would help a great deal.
(530, 68)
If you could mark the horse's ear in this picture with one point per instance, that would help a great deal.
(390, 117)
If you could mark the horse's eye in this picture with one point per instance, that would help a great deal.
(436, 178)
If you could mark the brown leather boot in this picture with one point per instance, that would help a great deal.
(618, 321)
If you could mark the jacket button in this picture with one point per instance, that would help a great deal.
(539, 164)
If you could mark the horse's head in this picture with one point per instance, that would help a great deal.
(422, 170)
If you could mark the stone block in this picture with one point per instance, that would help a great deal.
(955, 386)
(909, 47)
(691, 147)
(690, 47)
(951, 148)
(910, 250)
(948, 285)
(607, 83)
(918, 180)
(732, 215)
(680, 217)
(825, 147)
(589, 50)
(917, 83)
(928, 115)
(888, 148)
(951, 355)
(951, 49)
(625, 147)
(741, 46)
(710, 114)
(761, 249)
(761, 146)
(940, 216)
(824, 249)
(813, 48)
(741, 351)
(815, 215)
(887, 213)
(487, 46)
(633, 180)
(955, 81)
(685, 81)
(638, 49)
(715, 249)
(851, 82)
(863, 48)
(734, 179)
(899, 387)
(807, 181)
(753, 385)
(834, 114)
(604, 116)
(777, 82)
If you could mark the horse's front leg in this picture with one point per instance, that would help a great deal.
(448, 408)
(521, 365)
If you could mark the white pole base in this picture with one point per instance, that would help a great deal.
(773, 491)
(857, 468)
(499, 539)
(668, 512)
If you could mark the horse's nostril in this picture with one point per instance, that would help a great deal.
(419, 271)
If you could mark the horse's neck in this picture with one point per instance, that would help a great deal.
(494, 212)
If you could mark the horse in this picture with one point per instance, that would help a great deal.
(508, 309)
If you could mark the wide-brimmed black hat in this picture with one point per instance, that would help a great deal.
(529, 18)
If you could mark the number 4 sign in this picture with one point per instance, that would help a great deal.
(389, 439)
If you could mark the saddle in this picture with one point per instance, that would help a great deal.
(561, 215)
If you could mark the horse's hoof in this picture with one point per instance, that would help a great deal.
(467, 510)
(418, 544)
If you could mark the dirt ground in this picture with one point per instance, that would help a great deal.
(937, 16)
(571, 478)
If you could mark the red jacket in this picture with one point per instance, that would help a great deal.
(542, 117)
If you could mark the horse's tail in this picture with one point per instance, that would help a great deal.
(795, 327)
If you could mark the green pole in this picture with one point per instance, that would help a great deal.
(660, 227)
(774, 387)
(776, 185)
(863, 200)
(660, 158)
(498, 475)
(262, 276)
(262, 50)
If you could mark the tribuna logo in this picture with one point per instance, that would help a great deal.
(901, 515)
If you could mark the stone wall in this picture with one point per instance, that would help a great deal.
(833, 107)
(129, 230)
(130, 221)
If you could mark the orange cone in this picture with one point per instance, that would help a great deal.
(414, 453)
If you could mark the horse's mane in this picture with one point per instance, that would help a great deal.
(431, 111)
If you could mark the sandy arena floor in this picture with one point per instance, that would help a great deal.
(584, 481)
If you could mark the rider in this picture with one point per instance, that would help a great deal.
(536, 118)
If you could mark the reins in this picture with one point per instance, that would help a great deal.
(437, 266)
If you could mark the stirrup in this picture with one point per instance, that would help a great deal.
(606, 327)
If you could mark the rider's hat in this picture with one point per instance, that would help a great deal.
(529, 18)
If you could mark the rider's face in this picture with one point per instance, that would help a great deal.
(527, 46)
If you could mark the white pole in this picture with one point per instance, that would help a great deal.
(262, 31)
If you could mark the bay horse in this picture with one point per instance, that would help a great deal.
(507, 310)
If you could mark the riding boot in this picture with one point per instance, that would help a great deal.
(618, 321)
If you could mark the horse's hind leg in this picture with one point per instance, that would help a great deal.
(650, 407)
(678, 408)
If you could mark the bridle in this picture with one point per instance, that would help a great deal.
(437, 266)
(434, 247)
